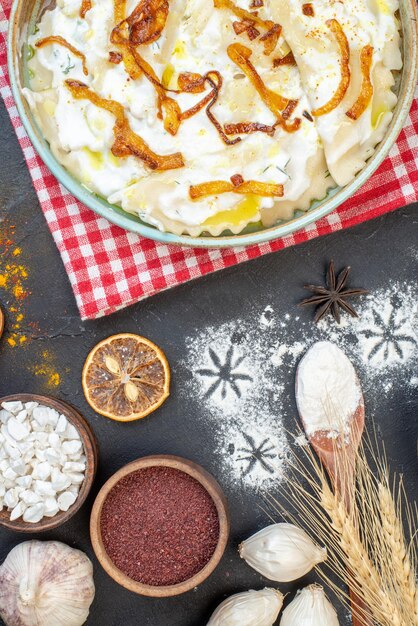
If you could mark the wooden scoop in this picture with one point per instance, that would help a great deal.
(338, 456)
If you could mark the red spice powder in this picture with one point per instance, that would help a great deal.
(159, 526)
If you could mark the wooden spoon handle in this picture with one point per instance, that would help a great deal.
(360, 613)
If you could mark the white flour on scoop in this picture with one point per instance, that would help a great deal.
(327, 390)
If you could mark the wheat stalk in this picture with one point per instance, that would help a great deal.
(394, 537)
(367, 546)
(362, 575)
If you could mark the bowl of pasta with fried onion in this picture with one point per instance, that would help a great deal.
(213, 124)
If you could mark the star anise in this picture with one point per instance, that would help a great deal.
(333, 298)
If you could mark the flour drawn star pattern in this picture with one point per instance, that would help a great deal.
(387, 334)
(257, 454)
(225, 373)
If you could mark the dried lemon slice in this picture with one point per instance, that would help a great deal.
(126, 377)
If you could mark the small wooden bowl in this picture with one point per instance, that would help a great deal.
(211, 486)
(90, 451)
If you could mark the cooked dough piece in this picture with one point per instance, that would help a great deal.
(348, 143)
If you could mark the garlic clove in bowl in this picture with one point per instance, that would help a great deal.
(250, 608)
(282, 552)
(44, 583)
(310, 607)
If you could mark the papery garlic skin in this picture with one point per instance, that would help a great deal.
(310, 607)
(282, 552)
(45, 583)
(250, 608)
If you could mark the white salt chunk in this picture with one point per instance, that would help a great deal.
(44, 488)
(42, 471)
(19, 467)
(30, 497)
(13, 407)
(11, 498)
(4, 416)
(62, 425)
(71, 447)
(41, 455)
(40, 414)
(66, 499)
(51, 507)
(74, 466)
(17, 430)
(24, 481)
(54, 441)
(18, 511)
(12, 451)
(34, 514)
(76, 478)
(52, 456)
(71, 432)
(59, 480)
(29, 406)
(53, 417)
(22, 415)
(10, 474)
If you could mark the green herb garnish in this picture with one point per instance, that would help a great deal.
(69, 67)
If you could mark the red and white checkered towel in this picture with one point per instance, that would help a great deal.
(110, 268)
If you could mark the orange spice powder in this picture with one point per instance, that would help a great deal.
(13, 290)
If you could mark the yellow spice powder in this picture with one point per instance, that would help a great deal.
(47, 371)
(13, 277)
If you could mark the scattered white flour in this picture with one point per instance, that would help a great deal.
(380, 342)
(241, 396)
(243, 375)
(327, 391)
(267, 317)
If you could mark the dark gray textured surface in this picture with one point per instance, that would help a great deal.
(379, 251)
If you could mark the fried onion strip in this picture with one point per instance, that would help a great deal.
(147, 21)
(277, 104)
(216, 187)
(216, 89)
(126, 141)
(242, 13)
(288, 59)
(190, 82)
(245, 128)
(115, 57)
(240, 55)
(366, 91)
(272, 35)
(270, 39)
(308, 9)
(41, 43)
(290, 107)
(119, 12)
(237, 180)
(86, 5)
(340, 36)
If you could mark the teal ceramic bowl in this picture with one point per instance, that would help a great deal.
(23, 16)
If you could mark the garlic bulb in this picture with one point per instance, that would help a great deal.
(45, 583)
(250, 608)
(311, 607)
(282, 552)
